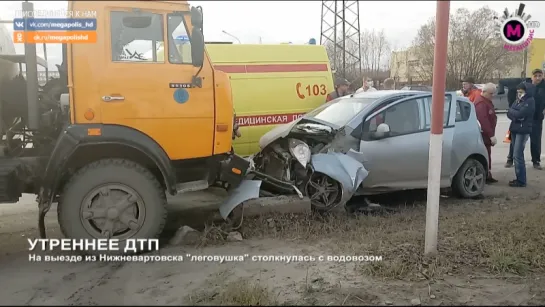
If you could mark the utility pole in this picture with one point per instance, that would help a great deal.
(524, 62)
(437, 117)
(340, 33)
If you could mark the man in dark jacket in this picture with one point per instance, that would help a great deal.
(537, 127)
(539, 99)
(511, 85)
(521, 114)
(341, 89)
(486, 115)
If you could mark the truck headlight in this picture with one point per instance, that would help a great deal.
(300, 151)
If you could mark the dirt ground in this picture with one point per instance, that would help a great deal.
(491, 252)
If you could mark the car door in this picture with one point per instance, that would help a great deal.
(449, 123)
(149, 89)
(400, 160)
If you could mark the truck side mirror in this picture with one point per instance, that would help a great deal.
(197, 38)
(196, 17)
(197, 47)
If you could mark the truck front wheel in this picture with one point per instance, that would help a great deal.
(112, 199)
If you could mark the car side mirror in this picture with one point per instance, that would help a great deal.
(383, 130)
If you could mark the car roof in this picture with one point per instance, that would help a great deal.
(384, 94)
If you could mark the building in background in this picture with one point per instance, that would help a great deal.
(536, 56)
(404, 67)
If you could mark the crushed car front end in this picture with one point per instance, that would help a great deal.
(309, 157)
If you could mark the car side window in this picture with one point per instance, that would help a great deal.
(136, 40)
(446, 111)
(463, 110)
(179, 51)
(403, 118)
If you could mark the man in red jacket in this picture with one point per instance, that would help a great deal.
(469, 89)
(341, 89)
(486, 115)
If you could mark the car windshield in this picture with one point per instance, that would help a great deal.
(340, 112)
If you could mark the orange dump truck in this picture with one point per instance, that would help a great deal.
(271, 85)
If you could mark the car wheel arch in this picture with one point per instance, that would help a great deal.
(476, 156)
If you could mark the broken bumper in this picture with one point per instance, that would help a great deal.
(344, 168)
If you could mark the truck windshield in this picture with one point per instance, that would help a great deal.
(340, 112)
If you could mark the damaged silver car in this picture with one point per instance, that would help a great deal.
(363, 144)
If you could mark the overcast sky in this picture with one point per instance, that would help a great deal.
(298, 21)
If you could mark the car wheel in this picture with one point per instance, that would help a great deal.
(470, 180)
(113, 199)
(325, 193)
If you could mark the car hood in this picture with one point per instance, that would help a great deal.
(283, 130)
(276, 133)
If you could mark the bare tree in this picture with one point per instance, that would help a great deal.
(375, 48)
(375, 52)
(336, 58)
(474, 48)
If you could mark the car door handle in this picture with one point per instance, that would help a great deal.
(112, 98)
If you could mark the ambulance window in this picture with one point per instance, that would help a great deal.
(179, 45)
(137, 37)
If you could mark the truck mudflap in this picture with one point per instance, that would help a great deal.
(65, 147)
(344, 168)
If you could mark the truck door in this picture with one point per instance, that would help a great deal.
(146, 77)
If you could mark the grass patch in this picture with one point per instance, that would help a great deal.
(479, 234)
(242, 292)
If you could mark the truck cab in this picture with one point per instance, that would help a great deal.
(117, 130)
(156, 97)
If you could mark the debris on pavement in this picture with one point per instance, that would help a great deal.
(278, 204)
(186, 235)
(271, 223)
(415, 302)
(234, 236)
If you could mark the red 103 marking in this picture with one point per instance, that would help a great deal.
(310, 90)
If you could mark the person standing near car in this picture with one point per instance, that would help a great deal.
(389, 84)
(341, 89)
(469, 89)
(521, 115)
(537, 124)
(486, 115)
(367, 86)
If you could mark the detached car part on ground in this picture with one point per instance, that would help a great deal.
(364, 144)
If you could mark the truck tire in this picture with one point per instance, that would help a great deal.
(113, 198)
(466, 183)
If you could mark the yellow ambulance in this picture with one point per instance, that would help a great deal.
(271, 84)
